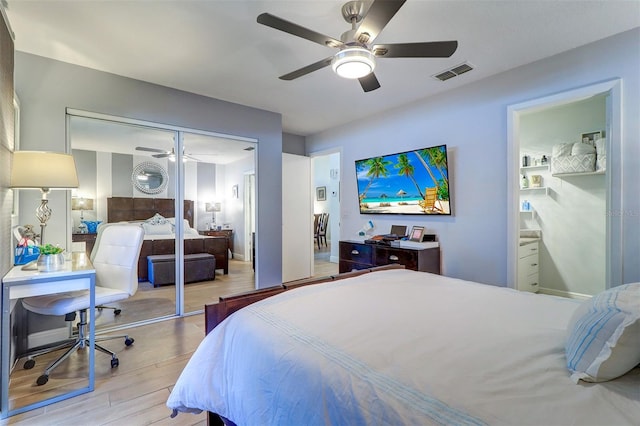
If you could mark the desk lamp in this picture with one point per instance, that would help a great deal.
(44, 171)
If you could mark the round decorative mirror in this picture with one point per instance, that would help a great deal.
(149, 177)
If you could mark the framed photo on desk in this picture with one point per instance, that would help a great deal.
(416, 233)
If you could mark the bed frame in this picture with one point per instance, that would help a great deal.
(216, 313)
(131, 209)
(128, 209)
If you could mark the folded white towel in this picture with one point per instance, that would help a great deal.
(561, 149)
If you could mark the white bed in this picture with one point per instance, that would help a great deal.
(399, 347)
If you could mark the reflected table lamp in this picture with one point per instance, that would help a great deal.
(213, 208)
(82, 204)
(44, 171)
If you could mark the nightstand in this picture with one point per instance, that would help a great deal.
(221, 233)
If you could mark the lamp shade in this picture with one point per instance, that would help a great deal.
(80, 203)
(213, 207)
(43, 170)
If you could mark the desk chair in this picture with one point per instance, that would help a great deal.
(115, 259)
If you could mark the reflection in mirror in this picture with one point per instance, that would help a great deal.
(108, 151)
(149, 178)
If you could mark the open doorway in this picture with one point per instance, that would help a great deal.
(326, 172)
(561, 239)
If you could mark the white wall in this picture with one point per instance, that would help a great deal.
(472, 121)
(233, 208)
(47, 87)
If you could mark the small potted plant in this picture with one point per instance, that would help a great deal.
(51, 258)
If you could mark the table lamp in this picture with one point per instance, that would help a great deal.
(213, 208)
(44, 171)
(82, 204)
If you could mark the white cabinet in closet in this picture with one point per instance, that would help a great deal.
(528, 267)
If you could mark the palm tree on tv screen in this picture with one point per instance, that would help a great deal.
(436, 157)
(406, 169)
(439, 159)
(377, 167)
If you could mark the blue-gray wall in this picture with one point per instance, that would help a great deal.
(47, 87)
(472, 121)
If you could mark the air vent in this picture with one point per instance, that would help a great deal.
(453, 72)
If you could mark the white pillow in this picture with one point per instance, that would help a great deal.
(604, 335)
(156, 219)
(580, 148)
(186, 226)
(159, 229)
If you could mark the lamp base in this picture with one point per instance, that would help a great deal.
(82, 229)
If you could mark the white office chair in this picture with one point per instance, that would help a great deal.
(115, 259)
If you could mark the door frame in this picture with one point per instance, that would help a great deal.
(614, 231)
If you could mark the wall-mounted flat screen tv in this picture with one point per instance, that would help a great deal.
(411, 182)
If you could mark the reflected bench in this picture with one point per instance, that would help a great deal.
(197, 267)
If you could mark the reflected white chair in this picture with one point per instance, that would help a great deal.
(115, 259)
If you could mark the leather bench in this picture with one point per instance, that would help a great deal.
(197, 267)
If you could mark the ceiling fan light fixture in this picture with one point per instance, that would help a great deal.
(353, 62)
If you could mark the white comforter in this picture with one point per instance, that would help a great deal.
(399, 347)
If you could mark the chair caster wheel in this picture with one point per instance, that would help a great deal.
(114, 362)
(128, 341)
(29, 364)
(117, 311)
(42, 379)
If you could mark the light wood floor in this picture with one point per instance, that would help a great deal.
(134, 393)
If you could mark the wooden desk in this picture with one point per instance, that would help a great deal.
(78, 274)
(360, 255)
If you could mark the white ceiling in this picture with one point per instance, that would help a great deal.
(101, 135)
(216, 48)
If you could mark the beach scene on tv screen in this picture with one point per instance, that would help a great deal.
(412, 182)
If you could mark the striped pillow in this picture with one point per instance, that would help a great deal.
(604, 335)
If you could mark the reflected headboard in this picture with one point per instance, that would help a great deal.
(128, 209)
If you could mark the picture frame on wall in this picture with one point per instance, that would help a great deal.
(416, 234)
(321, 193)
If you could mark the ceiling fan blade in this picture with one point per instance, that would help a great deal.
(378, 16)
(369, 82)
(163, 155)
(143, 148)
(308, 69)
(289, 27)
(432, 49)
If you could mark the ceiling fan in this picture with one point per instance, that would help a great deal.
(171, 154)
(357, 55)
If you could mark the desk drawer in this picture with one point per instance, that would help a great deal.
(357, 253)
(387, 256)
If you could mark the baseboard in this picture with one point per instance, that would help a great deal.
(237, 256)
(568, 294)
(46, 337)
